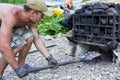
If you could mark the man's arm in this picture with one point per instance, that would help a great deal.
(39, 43)
(42, 48)
(5, 46)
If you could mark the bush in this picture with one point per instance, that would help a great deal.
(51, 25)
(13, 1)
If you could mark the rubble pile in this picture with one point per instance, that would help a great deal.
(99, 8)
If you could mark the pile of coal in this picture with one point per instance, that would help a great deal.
(97, 22)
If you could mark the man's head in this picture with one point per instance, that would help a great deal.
(38, 5)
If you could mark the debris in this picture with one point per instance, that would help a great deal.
(90, 56)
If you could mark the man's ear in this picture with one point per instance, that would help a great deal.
(32, 12)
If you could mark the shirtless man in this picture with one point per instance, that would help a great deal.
(13, 21)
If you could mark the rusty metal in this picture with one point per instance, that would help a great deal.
(60, 64)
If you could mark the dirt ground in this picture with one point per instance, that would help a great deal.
(57, 46)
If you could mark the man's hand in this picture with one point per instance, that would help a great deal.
(21, 72)
(52, 62)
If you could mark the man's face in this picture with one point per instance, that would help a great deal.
(36, 16)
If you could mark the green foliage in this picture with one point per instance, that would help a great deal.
(84, 0)
(51, 25)
(13, 1)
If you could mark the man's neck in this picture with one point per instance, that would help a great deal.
(23, 15)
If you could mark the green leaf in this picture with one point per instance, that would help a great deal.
(51, 25)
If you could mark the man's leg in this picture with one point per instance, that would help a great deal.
(22, 56)
(23, 53)
(17, 41)
(3, 62)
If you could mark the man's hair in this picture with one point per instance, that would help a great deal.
(27, 8)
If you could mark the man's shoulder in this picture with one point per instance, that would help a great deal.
(7, 8)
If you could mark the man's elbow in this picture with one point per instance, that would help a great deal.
(4, 47)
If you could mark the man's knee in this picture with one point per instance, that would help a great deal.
(30, 39)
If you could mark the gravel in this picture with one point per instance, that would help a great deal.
(92, 70)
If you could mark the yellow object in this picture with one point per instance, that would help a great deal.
(117, 1)
(114, 1)
(57, 12)
(39, 5)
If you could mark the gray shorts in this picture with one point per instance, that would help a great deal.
(19, 36)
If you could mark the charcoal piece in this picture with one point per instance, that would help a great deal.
(83, 39)
(87, 29)
(100, 6)
(90, 38)
(102, 31)
(118, 7)
(111, 4)
(103, 21)
(95, 20)
(112, 11)
(75, 30)
(102, 41)
(82, 31)
(76, 19)
(87, 6)
(88, 11)
(98, 11)
(99, 40)
(111, 22)
(112, 44)
(78, 11)
(94, 40)
(96, 31)
(76, 39)
(87, 32)
(106, 35)
(82, 20)
(109, 31)
(89, 20)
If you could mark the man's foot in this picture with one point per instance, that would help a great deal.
(21, 72)
(1, 78)
(31, 69)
